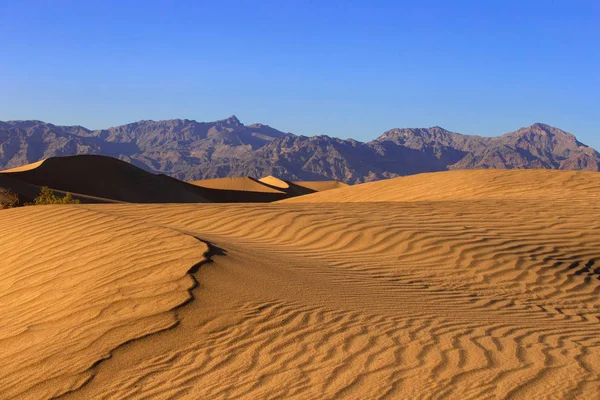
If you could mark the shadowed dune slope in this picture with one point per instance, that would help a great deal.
(471, 185)
(267, 189)
(106, 178)
(74, 285)
(100, 179)
(300, 188)
(26, 167)
(27, 192)
(291, 189)
(243, 183)
(239, 190)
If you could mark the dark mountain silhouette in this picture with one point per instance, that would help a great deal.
(188, 150)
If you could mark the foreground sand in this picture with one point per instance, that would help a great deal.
(461, 299)
(75, 284)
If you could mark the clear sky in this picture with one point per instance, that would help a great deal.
(342, 68)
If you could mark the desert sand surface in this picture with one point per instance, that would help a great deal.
(26, 167)
(319, 186)
(263, 190)
(300, 188)
(239, 190)
(75, 284)
(275, 182)
(243, 183)
(405, 292)
(471, 185)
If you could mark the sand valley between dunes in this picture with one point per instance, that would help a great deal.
(485, 288)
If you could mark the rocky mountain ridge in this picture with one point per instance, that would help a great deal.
(187, 149)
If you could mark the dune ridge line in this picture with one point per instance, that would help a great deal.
(117, 302)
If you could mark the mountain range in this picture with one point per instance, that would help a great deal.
(189, 150)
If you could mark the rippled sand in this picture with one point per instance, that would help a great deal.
(455, 296)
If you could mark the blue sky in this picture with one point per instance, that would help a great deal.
(342, 68)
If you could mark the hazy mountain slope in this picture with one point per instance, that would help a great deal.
(191, 150)
(24, 142)
(537, 146)
(173, 146)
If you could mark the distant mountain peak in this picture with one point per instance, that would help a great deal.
(232, 121)
(540, 125)
(543, 130)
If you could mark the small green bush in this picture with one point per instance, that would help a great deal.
(47, 196)
(8, 199)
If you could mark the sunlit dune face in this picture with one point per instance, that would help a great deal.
(413, 289)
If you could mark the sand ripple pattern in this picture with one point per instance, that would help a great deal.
(74, 285)
(450, 299)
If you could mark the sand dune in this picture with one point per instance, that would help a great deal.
(275, 182)
(470, 185)
(239, 190)
(75, 284)
(264, 190)
(244, 183)
(319, 186)
(26, 167)
(100, 179)
(300, 188)
(105, 178)
(482, 295)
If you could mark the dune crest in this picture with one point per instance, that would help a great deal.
(274, 181)
(26, 167)
(470, 185)
(101, 179)
(105, 179)
(319, 186)
(243, 183)
(75, 284)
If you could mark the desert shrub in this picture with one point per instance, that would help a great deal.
(8, 199)
(47, 196)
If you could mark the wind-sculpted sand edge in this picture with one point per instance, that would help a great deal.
(77, 284)
(459, 300)
(490, 291)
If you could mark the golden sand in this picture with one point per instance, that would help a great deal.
(244, 183)
(458, 285)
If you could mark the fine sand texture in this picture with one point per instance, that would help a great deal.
(476, 295)
(75, 284)
(471, 185)
(319, 186)
(243, 183)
